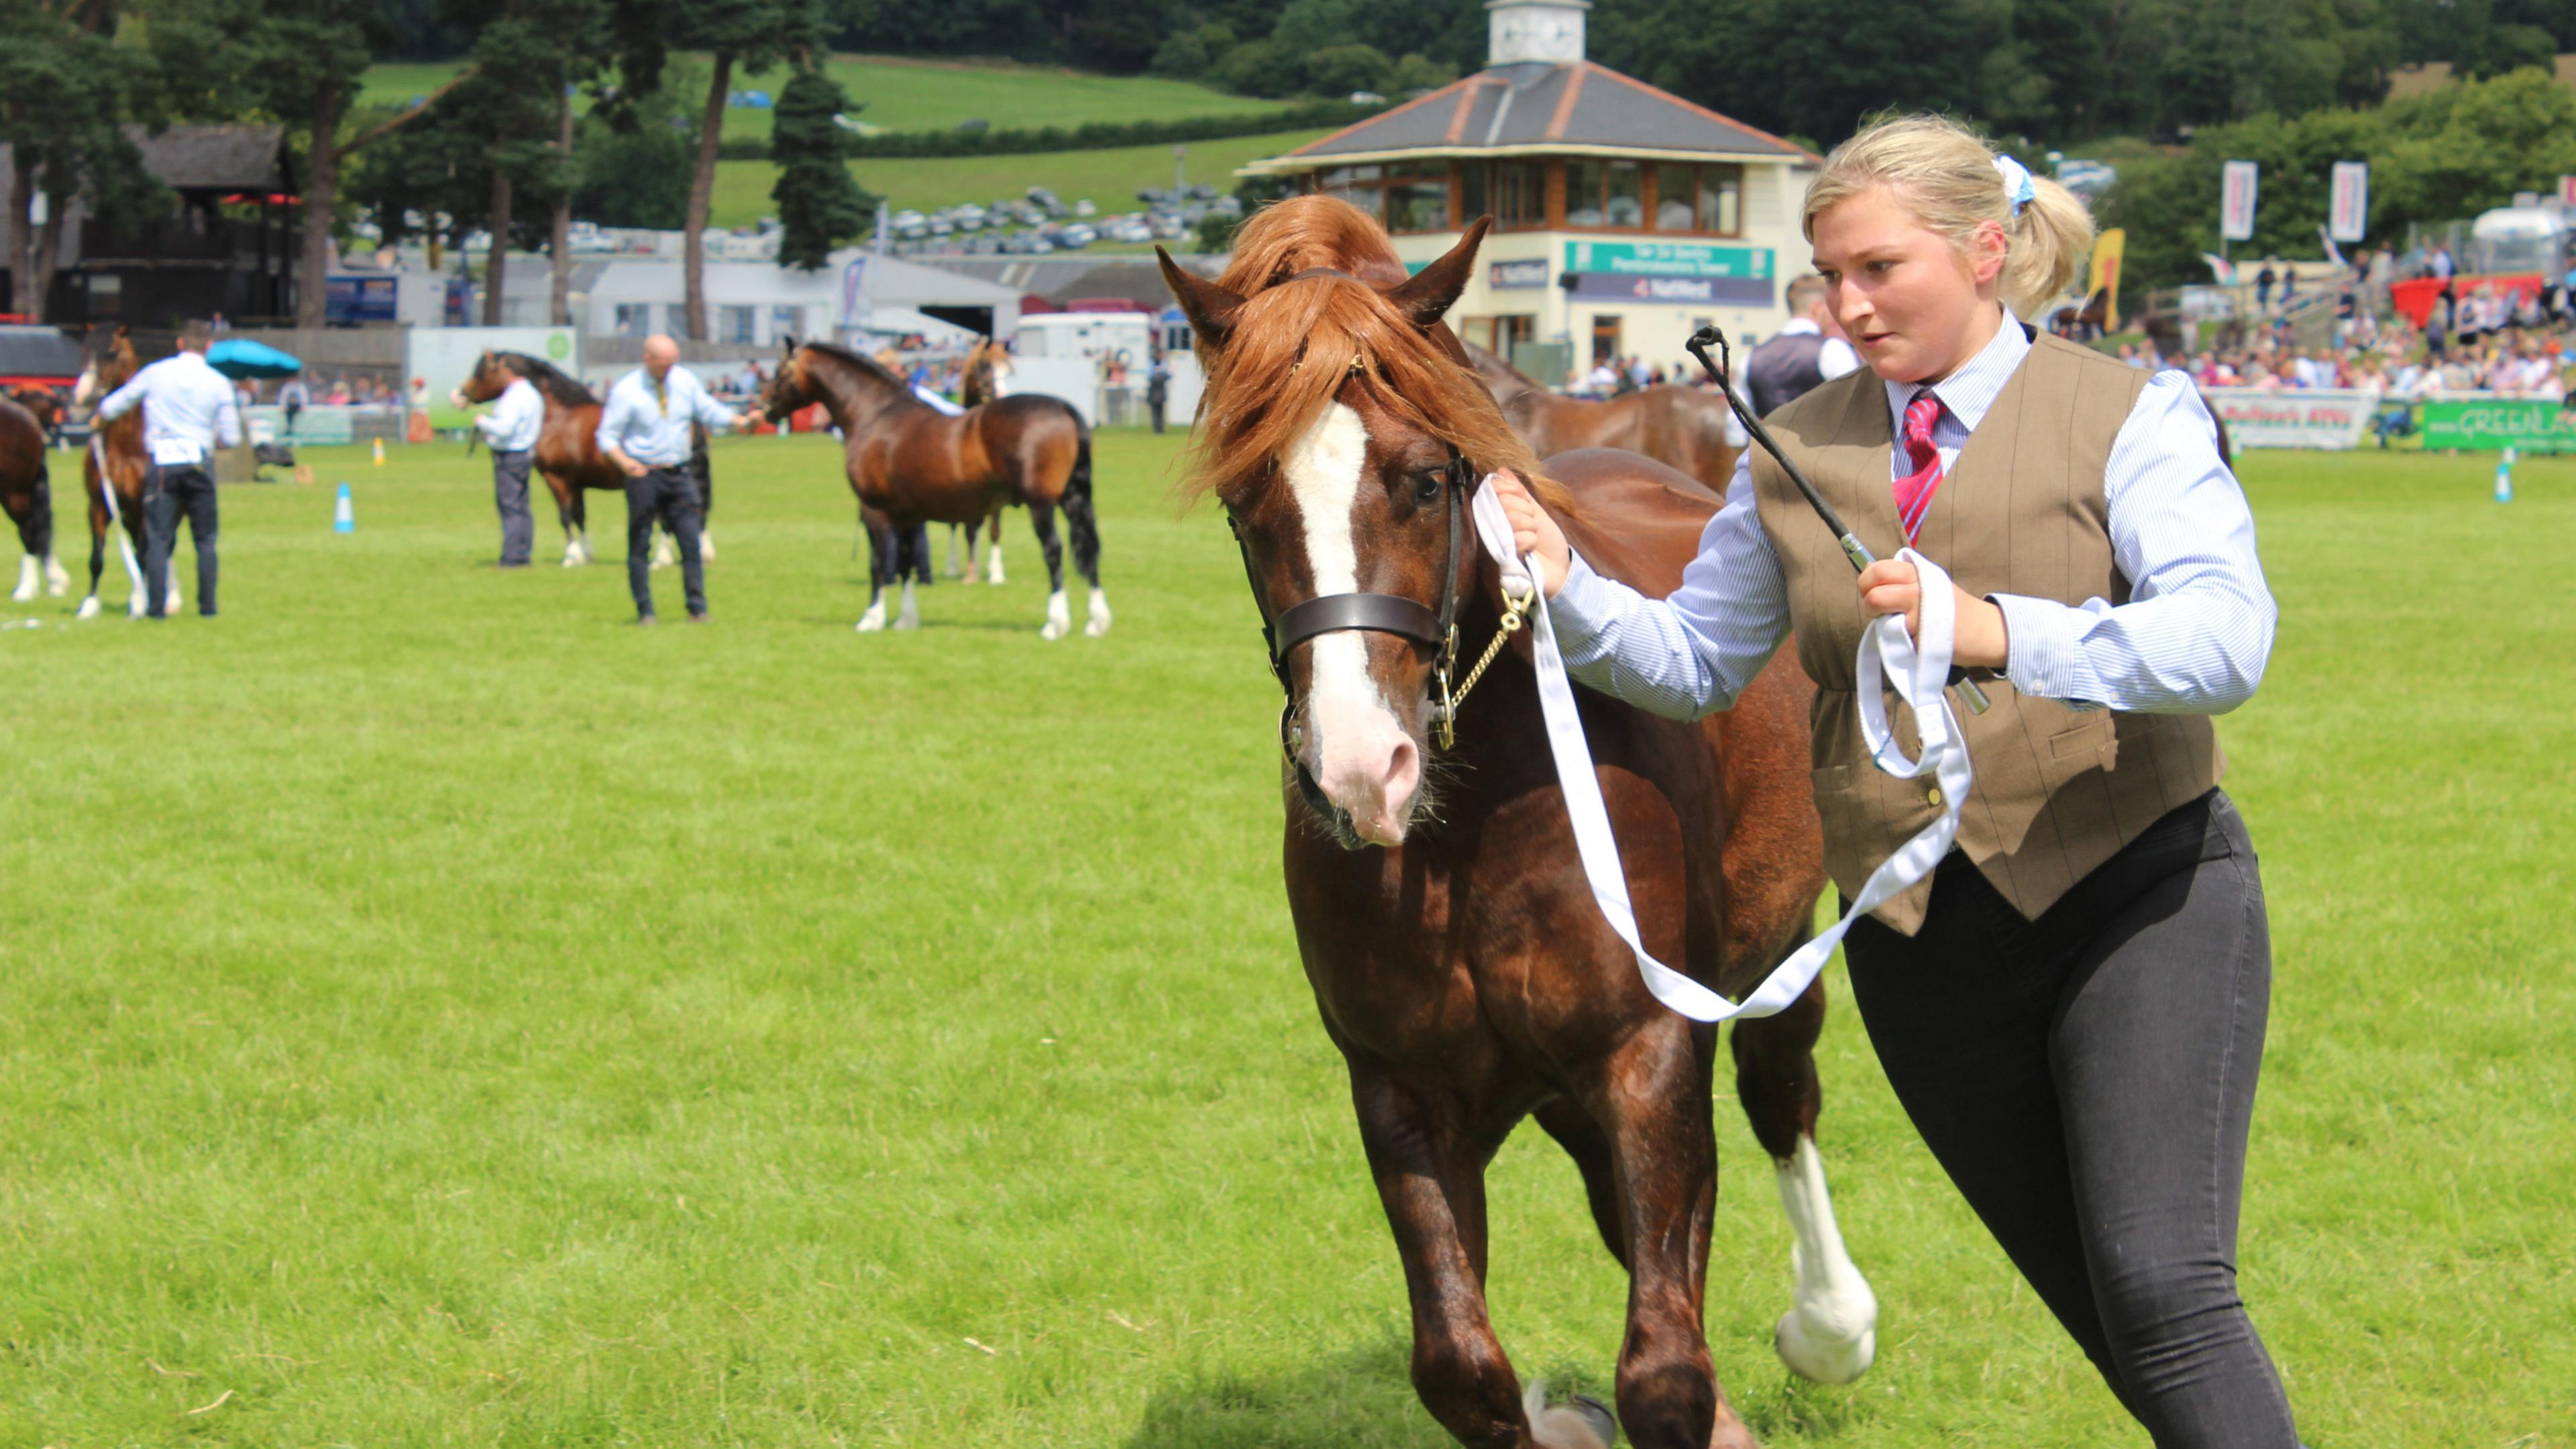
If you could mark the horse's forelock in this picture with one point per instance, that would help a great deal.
(1291, 355)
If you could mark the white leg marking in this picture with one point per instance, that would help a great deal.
(1099, 624)
(706, 544)
(89, 607)
(1365, 762)
(58, 580)
(954, 569)
(30, 578)
(909, 617)
(874, 618)
(665, 552)
(1561, 1426)
(993, 561)
(1059, 619)
(1831, 1336)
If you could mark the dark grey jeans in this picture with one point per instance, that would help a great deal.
(667, 494)
(510, 495)
(168, 495)
(2087, 1080)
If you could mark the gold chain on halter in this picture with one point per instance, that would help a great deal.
(1514, 611)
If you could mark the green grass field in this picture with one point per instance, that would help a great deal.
(926, 95)
(1110, 176)
(435, 1013)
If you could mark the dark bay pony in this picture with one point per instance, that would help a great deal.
(1454, 947)
(567, 451)
(28, 416)
(915, 465)
(1680, 426)
(113, 469)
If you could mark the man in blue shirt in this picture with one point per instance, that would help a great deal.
(188, 410)
(644, 430)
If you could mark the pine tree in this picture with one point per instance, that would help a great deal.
(819, 203)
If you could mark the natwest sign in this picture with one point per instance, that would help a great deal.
(1528, 272)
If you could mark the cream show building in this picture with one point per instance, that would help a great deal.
(1624, 217)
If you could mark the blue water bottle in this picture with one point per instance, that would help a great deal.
(344, 519)
(2504, 477)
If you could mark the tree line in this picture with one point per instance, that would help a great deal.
(501, 147)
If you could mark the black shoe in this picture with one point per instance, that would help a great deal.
(205, 613)
(645, 621)
(511, 564)
(697, 616)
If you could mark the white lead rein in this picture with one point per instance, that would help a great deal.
(1920, 674)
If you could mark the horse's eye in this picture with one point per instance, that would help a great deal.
(1426, 488)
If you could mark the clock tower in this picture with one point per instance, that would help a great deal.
(1545, 32)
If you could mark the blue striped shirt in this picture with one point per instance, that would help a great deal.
(652, 427)
(2192, 639)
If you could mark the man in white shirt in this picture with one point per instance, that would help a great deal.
(1801, 356)
(644, 430)
(510, 430)
(190, 412)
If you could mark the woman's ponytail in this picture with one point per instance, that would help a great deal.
(2051, 237)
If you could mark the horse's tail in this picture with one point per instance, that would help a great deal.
(1078, 515)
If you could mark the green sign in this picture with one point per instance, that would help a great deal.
(2532, 425)
(1668, 259)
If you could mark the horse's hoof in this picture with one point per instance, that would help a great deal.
(873, 620)
(1099, 624)
(993, 574)
(26, 589)
(58, 580)
(910, 619)
(1059, 617)
(89, 607)
(1816, 1355)
(1581, 1422)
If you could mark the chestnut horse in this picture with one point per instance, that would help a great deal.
(1459, 959)
(108, 364)
(567, 451)
(985, 377)
(916, 465)
(1681, 426)
(28, 415)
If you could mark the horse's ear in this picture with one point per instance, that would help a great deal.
(1427, 295)
(1210, 308)
(787, 344)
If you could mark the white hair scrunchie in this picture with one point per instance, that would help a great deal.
(2019, 189)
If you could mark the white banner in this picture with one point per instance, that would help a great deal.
(2236, 183)
(2348, 214)
(2336, 418)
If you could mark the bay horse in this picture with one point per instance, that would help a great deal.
(567, 451)
(914, 465)
(115, 460)
(1680, 426)
(28, 417)
(1456, 953)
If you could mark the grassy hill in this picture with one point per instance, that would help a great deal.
(930, 95)
(1109, 177)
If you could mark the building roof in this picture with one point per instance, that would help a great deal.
(217, 158)
(38, 354)
(1530, 107)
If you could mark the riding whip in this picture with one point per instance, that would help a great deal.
(1853, 549)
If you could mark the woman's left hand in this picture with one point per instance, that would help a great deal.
(1891, 586)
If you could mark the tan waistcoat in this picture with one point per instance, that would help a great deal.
(2058, 791)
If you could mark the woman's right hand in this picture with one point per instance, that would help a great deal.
(1533, 532)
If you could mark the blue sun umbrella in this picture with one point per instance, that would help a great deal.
(239, 357)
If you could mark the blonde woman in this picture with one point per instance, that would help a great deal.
(2071, 1008)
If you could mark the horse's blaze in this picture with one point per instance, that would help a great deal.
(1358, 751)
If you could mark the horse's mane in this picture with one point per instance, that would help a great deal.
(551, 380)
(1262, 395)
(867, 365)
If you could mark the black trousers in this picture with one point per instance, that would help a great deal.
(2087, 1080)
(667, 494)
(510, 495)
(168, 493)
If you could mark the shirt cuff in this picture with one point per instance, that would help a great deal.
(1584, 606)
(2045, 651)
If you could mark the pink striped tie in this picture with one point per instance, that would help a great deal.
(1914, 491)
